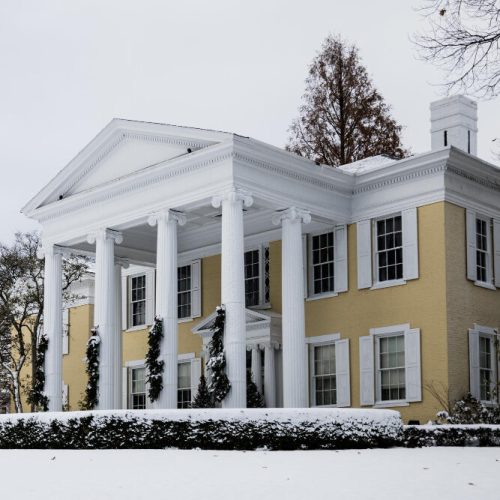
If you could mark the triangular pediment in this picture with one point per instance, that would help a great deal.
(121, 149)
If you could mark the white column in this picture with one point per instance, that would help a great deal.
(269, 376)
(257, 367)
(118, 338)
(52, 326)
(233, 292)
(105, 316)
(292, 282)
(166, 299)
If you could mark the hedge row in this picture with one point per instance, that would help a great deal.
(451, 435)
(242, 430)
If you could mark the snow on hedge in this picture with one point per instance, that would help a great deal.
(234, 429)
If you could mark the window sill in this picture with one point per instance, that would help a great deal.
(483, 284)
(322, 296)
(137, 328)
(387, 284)
(390, 404)
(185, 320)
(260, 306)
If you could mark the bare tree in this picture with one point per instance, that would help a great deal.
(343, 118)
(21, 309)
(462, 37)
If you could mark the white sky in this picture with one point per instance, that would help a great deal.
(68, 67)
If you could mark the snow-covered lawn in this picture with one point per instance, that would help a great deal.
(428, 473)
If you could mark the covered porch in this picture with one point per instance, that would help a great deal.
(157, 195)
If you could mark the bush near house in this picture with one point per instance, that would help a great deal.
(418, 436)
(247, 429)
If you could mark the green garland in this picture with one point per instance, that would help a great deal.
(91, 397)
(155, 367)
(36, 396)
(219, 384)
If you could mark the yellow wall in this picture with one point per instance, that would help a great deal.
(466, 303)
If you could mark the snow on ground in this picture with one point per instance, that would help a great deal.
(430, 473)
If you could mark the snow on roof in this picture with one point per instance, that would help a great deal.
(368, 164)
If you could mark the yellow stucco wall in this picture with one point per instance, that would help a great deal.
(466, 303)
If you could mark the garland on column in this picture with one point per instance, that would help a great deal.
(155, 367)
(37, 396)
(91, 397)
(254, 397)
(219, 384)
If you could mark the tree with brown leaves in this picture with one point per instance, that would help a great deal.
(343, 117)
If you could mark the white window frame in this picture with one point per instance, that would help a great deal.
(193, 289)
(489, 253)
(312, 342)
(310, 266)
(261, 248)
(396, 281)
(190, 317)
(130, 324)
(133, 365)
(185, 361)
(378, 369)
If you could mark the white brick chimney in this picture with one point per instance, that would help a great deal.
(454, 123)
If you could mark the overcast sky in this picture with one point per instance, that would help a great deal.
(68, 67)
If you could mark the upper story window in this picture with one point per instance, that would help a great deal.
(389, 248)
(257, 276)
(138, 300)
(483, 365)
(184, 292)
(483, 250)
(327, 262)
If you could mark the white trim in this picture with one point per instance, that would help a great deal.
(391, 404)
(185, 357)
(488, 286)
(319, 296)
(388, 284)
(135, 363)
(388, 330)
(137, 328)
(323, 339)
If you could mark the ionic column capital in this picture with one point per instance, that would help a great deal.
(120, 261)
(105, 234)
(269, 345)
(50, 250)
(167, 215)
(292, 214)
(233, 195)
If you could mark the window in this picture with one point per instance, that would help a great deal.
(324, 375)
(184, 292)
(389, 248)
(138, 300)
(137, 388)
(322, 263)
(485, 368)
(391, 368)
(257, 276)
(445, 138)
(482, 250)
(184, 385)
(483, 363)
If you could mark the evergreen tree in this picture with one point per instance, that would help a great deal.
(203, 399)
(343, 118)
(254, 398)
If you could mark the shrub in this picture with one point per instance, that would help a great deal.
(451, 435)
(470, 411)
(274, 429)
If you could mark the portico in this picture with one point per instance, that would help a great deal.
(157, 195)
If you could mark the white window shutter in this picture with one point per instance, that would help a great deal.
(474, 364)
(150, 297)
(410, 243)
(125, 304)
(124, 387)
(196, 288)
(496, 251)
(364, 244)
(65, 331)
(195, 376)
(471, 244)
(367, 371)
(340, 263)
(412, 365)
(65, 395)
(304, 264)
(342, 373)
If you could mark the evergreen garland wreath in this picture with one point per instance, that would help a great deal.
(155, 367)
(219, 384)
(203, 398)
(91, 397)
(254, 397)
(37, 396)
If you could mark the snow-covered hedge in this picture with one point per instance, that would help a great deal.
(451, 435)
(276, 429)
